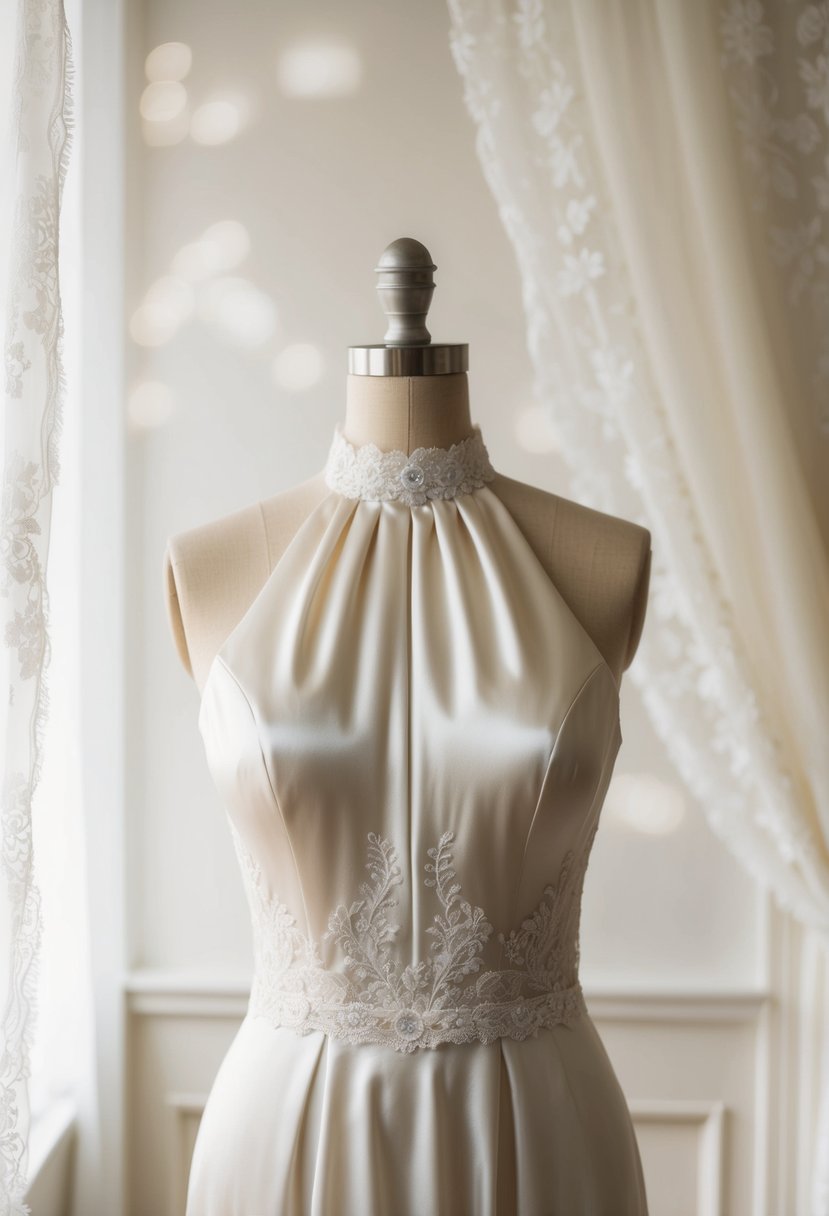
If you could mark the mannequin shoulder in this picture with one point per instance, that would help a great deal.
(212, 573)
(619, 544)
(616, 565)
(201, 567)
(568, 518)
(599, 562)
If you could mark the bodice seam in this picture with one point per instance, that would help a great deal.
(269, 779)
(576, 698)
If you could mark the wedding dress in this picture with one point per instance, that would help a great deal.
(412, 736)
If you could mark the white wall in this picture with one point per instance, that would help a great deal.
(675, 939)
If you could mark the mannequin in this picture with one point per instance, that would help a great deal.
(600, 564)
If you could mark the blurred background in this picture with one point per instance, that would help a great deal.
(237, 171)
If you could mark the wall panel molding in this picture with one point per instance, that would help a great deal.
(185, 1110)
(709, 1120)
(181, 994)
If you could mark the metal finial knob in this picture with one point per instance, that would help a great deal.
(405, 284)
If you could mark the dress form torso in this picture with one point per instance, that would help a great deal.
(412, 734)
(600, 564)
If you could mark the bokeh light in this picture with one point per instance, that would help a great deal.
(298, 367)
(163, 109)
(174, 293)
(191, 262)
(218, 121)
(644, 803)
(162, 101)
(221, 247)
(318, 69)
(168, 302)
(152, 326)
(169, 61)
(238, 311)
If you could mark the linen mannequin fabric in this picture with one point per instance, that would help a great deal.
(412, 736)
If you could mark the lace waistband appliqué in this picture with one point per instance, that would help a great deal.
(445, 998)
(365, 471)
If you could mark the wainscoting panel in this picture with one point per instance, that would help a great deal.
(173, 1060)
(187, 1111)
(682, 1149)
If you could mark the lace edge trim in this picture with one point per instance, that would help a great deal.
(367, 472)
(409, 1030)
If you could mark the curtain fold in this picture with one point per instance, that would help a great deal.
(606, 131)
(37, 119)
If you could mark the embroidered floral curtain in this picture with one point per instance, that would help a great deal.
(36, 102)
(662, 170)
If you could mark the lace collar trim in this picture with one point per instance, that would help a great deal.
(414, 477)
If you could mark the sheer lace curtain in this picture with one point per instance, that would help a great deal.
(35, 79)
(662, 171)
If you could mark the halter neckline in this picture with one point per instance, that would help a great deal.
(365, 471)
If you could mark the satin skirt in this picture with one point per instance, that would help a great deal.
(309, 1125)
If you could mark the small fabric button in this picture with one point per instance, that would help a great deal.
(409, 1024)
(412, 476)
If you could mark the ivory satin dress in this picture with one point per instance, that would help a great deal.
(412, 736)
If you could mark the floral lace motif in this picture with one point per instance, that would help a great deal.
(412, 478)
(378, 999)
(784, 128)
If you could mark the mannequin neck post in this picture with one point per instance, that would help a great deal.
(407, 412)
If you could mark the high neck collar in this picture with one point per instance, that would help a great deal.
(365, 471)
